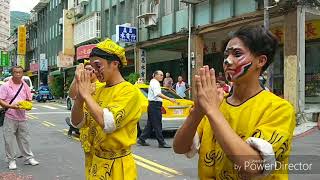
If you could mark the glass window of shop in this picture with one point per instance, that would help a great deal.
(278, 67)
(312, 72)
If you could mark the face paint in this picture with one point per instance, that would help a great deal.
(242, 70)
(99, 70)
(239, 59)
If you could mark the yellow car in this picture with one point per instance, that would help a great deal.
(173, 114)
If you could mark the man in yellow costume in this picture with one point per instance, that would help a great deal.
(242, 135)
(108, 118)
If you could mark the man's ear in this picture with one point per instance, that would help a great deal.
(262, 61)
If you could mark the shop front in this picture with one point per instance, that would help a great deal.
(312, 63)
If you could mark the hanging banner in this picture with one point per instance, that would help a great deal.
(4, 59)
(64, 60)
(83, 52)
(21, 61)
(34, 67)
(143, 64)
(22, 41)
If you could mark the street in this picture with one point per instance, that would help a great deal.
(62, 158)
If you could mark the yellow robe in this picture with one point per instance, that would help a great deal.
(108, 156)
(264, 116)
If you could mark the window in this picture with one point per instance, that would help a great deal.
(50, 33)
(183, 5)
(56, 29)
(141, 9)
(312, 72)
(167, 7)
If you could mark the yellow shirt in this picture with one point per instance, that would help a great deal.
(110, 154)
(99, 84)
(264, 116)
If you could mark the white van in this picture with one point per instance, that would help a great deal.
(27, 80)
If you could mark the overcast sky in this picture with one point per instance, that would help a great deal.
(22, 5)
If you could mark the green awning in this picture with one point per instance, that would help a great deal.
(55, 73)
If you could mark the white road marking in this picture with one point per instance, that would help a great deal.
(40, 113)
(64, 106)
(49, 107)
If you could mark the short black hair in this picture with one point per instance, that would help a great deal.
(258, 40)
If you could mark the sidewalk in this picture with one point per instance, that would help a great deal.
(303, 128)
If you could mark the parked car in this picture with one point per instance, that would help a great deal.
(28, 82)
(173, 114)
(44, 94)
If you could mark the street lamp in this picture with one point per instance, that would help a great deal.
(266, 12)
(190, 3)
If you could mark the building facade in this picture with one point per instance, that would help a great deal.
(4, 23)
(163, 36)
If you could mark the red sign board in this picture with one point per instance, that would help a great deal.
(83, 52)
(34, 67)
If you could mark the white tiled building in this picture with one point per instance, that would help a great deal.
(4, 23)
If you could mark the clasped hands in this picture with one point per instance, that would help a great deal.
(83, 82)
(208, 97)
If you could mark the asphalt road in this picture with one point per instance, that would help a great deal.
(61, 157)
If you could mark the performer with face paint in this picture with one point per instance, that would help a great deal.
(241, 135)
(107, 118)
(73, 90)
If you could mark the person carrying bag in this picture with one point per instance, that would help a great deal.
(4, 110)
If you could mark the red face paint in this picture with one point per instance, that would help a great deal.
(237, 62)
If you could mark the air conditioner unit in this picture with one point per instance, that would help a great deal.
(79, 11)
(150, 21)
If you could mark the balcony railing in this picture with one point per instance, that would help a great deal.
(87, 29)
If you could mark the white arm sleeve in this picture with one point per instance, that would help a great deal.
(109, 124)
(266, 151)
(79, 125)
(194, 149)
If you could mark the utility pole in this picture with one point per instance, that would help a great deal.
(266, 21)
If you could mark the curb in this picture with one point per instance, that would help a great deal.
(308, 132)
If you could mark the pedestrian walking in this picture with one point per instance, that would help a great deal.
(168, 81)
(73, 91)
(12, 93)
(181, 87)
(247, 129)
(108, 118)
(154, 122)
